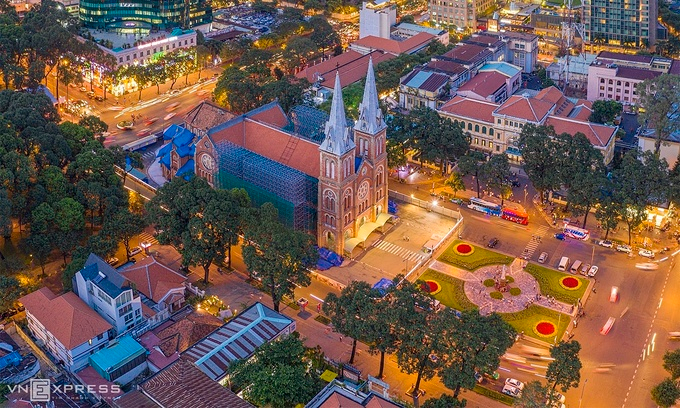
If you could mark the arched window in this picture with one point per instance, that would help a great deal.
(469, 126)
(477, 128)
(347, 199)
(329, 199)
(484, 129)
(491, 131)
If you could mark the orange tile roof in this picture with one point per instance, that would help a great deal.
(470, 108)
(152, 278)
(485, 83)
(467, 53)
(394, 46)
(67, 317)
(598, 135)
(525, 107)
(340, 401)
(351, 65)
(581, 110)
(185, 332)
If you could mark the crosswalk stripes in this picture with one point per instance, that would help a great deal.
(533, 244)
(149, 155)
(146, 237)
(397, 250)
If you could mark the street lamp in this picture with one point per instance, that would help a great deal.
(582, 391)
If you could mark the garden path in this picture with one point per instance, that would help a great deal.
(481, 295)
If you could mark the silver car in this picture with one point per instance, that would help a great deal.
(543, 257)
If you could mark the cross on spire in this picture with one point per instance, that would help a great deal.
(370, 115)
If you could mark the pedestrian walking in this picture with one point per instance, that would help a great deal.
(340, 339)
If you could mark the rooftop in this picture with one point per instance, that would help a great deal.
(598, 135)
(237, 339)
(336, 396)
(152, 278)
(525, 107)
(183, 330)
(118, 40)
(484, 84)
(470, 108)
(485, 40)
(427, 81)
(103, 275)
(504, 68)
(67, 317)
(420, 28)
(467, 53)
(636, 73)
(408, 46)
(448, 67)
(207, 115)
(646, 59)
(116, 354)
(352, 66)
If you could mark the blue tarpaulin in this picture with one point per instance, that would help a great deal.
(187, 168)
(383, 285)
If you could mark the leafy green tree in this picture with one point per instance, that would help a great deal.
(473, 163)
(289, 92)
(534, 395)
(605, 111)
(445, 401)
(298, 51)
(455, 182)
(351, 311)
(42, 219)
(607, 213)
(324, 35)
(666, 393)
(565, 369)
(238, 91)
(472, 343)
(539, 151)
(579, 162)
(10, 290)
(39, 247)
(123, 226)
(277, 375)
(281, 256)
(661, 103)
(379, 333)
(497, 171)
(671, 363)
(5, 214)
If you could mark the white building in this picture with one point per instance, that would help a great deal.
(109, 294)
(376, 18)
(67, 327)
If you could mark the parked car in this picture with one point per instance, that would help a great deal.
(515, 383)
(511, 391)
(584, 269)
(543, 257)
(624, 248)
(83, 89)
(593, 271)
(557, 397)
(606, 244)
(493, 242)
(112, 261)
(91, 94)
(136, 250)
(560, 236)
(479, 378)
(646, 253)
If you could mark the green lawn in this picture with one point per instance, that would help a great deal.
(525, 320)
(549, 281)
(480, 257)
(452, 294)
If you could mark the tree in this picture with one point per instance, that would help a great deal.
(473, 163)
(5, 214)
(445, 401)
(351, 311)
(324, 35)
(276, 375)
(607, 212)
(605, 111)
(281, 256)
(578, 163)
(497, 171)
(539, 151)
(10, 290)
(533, 396)
(472, 344)
(666, 393)
(123, 226)
(565, 369)
(379, 332)
(238, 91)
(288, 91)
(298, 51)
(455, 182)
(671, 363)
(659, 97)
(39, 248)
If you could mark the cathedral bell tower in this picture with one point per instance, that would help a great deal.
(336, 177)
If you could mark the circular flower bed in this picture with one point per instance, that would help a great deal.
(489, 282)
(431, 287)
(545, 329)
(515, 291)
(570, 283)
(463, 249)
(496, 295)
(509, 279)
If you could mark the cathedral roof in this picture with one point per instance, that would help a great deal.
(338, 140)
(370, 115)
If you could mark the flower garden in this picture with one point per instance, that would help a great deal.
(563, 287)
(471, 257)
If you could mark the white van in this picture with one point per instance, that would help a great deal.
(576, 266)
(429, 246)
(564, 264)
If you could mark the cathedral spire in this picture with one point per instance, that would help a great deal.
(337, 138)
(370, 115)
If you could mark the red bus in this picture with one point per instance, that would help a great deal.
(514, 215)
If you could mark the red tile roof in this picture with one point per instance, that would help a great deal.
(598, 135)
(581, 110)
(393, 46)
(636, 73)
(433, 82)
(67, 317)
(485, 83)
(351, 65)
(206, 115)
(467, 53)
(183, 332)
(625, 57)
(156, 357)
(486, 40)
(182, 385)
(153, 279)
(448, 67)
(525, 107)
(134, 399)
(470, 108)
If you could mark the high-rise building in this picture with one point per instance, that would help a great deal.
(460, 13)
(621, 23)
(103, 14)
(376, 18)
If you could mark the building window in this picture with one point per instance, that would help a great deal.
(477, 128)
(476, 141)
(484, 130)
(490, 131)
(329, 200)
(469, 126)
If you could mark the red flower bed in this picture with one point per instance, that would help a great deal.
(545, 328)
(464, 248)
(430, 287)
(570, 282)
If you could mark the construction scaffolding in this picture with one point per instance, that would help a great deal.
(292, 192)
(308, 123)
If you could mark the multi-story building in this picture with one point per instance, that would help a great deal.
(376, 18)
(117, 14)
(522, 49)
(423, 89)
(494, 82)
(614, 76)
(107, 292)
(619, 23)
(66, 326)
(459, 13)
